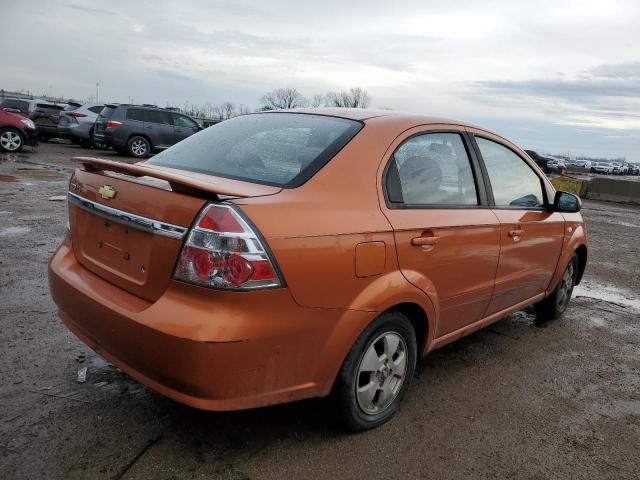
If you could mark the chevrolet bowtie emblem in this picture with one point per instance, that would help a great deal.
(107, 192)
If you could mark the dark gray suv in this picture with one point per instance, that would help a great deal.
(138, 130)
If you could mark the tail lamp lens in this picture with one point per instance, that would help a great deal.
(222, 251)
(76, 114)
(113, 124)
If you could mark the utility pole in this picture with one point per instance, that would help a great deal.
(97, 90)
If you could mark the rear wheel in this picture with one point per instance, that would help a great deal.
(556, 304)
(11, 140)
(376, 373)
(138, 147)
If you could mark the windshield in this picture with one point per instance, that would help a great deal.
(17, 104)
(280, 149)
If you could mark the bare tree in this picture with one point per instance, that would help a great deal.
(243, 110)
(228, 110)
(317, 100)
(356, 97)
(282, 98)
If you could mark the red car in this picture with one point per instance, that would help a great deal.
(16, 132)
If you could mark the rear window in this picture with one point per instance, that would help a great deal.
(280, 149)
(96, 109)
(107, 111)
(48, 106)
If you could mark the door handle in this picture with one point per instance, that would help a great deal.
(515, 233)
(424, 241)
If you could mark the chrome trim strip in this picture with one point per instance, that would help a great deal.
(129, 219)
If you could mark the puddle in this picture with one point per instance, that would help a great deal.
(6, 232)
(13, 157)
(609, 294)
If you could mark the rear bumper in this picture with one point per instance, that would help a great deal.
(74, 131)
(208, 349)
(108, 138)
(51, 130)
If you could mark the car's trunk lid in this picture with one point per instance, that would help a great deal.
(128, 222)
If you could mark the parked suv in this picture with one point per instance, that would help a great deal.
(139, 130)
(77, 121)
(295, 254)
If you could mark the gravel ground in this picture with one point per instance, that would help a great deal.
(515, 400)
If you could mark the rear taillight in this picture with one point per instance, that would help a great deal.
(76, 114)
(223, 251)
(113, 124)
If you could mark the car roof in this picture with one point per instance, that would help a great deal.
(363, 114)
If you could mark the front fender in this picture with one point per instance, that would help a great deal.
(575, 236)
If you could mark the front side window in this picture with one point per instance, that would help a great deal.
(182, 121)
(431, 169)
(513, 181)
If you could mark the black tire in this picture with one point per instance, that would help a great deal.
(85, 143)
(138, 147)
(557, 302)
(344, 394)
(11, 140)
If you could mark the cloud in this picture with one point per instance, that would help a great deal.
(569, 68)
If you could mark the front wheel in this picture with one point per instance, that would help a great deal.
(556, 304)
(376, 373)
(10, 140)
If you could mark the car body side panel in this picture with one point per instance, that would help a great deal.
(527, 261)
(575, 235)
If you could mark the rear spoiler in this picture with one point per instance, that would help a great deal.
(180, 180)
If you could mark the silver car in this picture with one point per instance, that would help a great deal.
(76, 122)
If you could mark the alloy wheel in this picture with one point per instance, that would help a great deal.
(381, 373)
(139, 147)
(10, 141)
(566, 287)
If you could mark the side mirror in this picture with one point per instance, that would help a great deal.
(566, 202)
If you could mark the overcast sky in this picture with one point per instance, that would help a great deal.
(558, 76)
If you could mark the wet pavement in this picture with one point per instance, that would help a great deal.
(519, 399)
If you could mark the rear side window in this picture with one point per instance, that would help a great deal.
(96, 109)
(431, 169)
(513, 181)
(135, 114)
(281, 149)
(157, 116)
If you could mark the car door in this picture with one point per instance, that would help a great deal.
(158, 126)
(183, 127)
(447, 239)
(531, 234)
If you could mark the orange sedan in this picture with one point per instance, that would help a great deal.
(295, 254)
